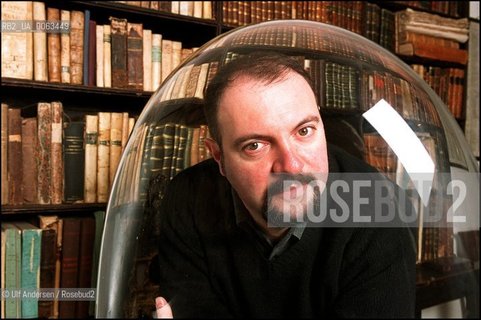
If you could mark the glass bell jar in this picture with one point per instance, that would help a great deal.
(372, 104)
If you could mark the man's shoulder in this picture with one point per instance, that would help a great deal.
(207, 169)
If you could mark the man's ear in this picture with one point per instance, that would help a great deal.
(216, 153)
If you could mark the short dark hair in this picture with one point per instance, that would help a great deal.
(265, 66)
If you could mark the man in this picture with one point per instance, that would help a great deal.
(219, 255)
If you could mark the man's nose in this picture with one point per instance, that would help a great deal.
(287, 160)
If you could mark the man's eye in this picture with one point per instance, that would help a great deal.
(305, 131)
(252, 146)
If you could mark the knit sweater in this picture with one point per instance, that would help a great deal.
(209, 267)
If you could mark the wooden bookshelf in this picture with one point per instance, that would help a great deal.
(192, 32)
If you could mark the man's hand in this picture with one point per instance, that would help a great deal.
(163, 309)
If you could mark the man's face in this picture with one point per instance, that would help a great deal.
(267, 130)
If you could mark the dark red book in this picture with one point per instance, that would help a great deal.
(15, 156)
(48, 258)
(87, 238)
(70, 264)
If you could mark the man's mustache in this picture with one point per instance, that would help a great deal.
(277, 186)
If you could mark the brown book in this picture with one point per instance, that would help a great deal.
(135, 68)
(70, 263)
(17, 47)
(103, 157)
(91, 150)
(44, 132)
(92, 54)
(116, 125)
(4, 153)
(15, 156)
(119, 52)
(434, 52)
(56, 157)
(56, 224)
(65, 49)
(192, 81)
(40, 65)
(53, 47)
(87, 238)
(48, 258)
(29, 160)
(77, 24)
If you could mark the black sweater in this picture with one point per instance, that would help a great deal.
(209, 267)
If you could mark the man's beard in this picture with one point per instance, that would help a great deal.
(287, 214)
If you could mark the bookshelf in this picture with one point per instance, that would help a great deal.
(81, 99)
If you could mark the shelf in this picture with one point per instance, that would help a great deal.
(34, 209)
(19, 83)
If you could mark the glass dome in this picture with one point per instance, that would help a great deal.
(351, 75)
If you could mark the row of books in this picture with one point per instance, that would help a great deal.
(451, 8)
(52, 253)
(448, 83)
(366, 19)
(48, 161)
(162, 149)
(431, 36)
(119, 55)
(407, 99)
(197, 9)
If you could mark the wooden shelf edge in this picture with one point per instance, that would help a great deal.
(31, 84)
(52, 208)
(147, 11)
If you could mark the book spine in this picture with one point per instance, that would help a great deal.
(87, 237)
(99, 51)
(65, 49)
(56, 154)
(29, 157)
(17, 47)
(74, 161)
(56, 224)
(76, 46)
(70, 258)
(125, 130)
(53, 48)
(135, 66)
(30, 276)
(91, 156)
(44, 131)
(119, 52)
(4, 157)
(92, 53)
(47, 270)
(86, 48)
(116, 123)
(166, 58)
(13, 251)
(15, 156)
(147, 59)
(103, 157)
(40, 66)
(156, 60)
(107, 40)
